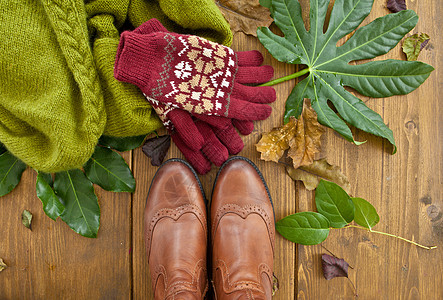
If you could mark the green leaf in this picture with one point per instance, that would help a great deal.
(365, 213)
(334, 203)
(306, 228)
(27, 219)
(51, 204)
(110, 171)
(2, 149)
(414, 44)
(11, 170)
(82, 212)
(265, 3)
(294, 103)
(121, 143)
(285, 52)
(329, 66)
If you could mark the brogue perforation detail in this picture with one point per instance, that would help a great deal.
(174, 214)
(244, 212)
(229, 287)
(180, 286)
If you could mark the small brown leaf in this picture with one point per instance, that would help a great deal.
(319, 169)
(273, 144)
(156, 148)
(396, 5)
(27, 219)
(275, 285)
(2, 265)
(306, 142)
(334, 267)
(245, 15)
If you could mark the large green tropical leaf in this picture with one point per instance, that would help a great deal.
(110, 171)
(329, 66)
(82, 212)
(11, 170)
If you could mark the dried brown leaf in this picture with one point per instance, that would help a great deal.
(156, 148)
(306, 142)
(273, 144)
(2, 265)
(319, 169)
(334, 267)
(245, 15)
(27, 219)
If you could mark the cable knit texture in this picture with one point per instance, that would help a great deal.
(51, 106)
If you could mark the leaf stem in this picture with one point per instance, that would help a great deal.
(392, 235)
(286, 78)
(353, 286)
(334, 255)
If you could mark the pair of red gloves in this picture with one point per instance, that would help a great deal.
(197, 89)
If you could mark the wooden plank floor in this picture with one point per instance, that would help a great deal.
(52, 262)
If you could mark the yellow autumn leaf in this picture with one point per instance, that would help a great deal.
(319, 169)
(273, 144)
(245, 15)
(307, 140)
(2, 265)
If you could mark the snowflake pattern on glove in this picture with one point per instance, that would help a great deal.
(202, 77)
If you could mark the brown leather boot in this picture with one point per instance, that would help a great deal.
(176, 233)
(243, 233)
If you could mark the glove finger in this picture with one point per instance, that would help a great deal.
(214, 121)
(257, 94)
(196, 158)
(225, 131)
(184, 126)
(254, 75)
(213, 149)
(244, 110)
(230, 138)
(244, 127)
(153, 25)
(249, 58)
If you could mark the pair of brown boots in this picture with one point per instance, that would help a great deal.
(241, 229)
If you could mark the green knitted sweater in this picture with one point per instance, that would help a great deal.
(57, 92)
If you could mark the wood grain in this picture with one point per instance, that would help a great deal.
(52, 262)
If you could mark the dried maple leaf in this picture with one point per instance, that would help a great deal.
(319, 169)
(245, 15)
(306, 142)
(156, 148)
(334, 267)
(273, 144)
(2, 265)
(396, 5)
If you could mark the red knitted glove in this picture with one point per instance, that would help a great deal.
(263, 95)
(212, 137)
(191, 73)
(222, 126)
(217, 136)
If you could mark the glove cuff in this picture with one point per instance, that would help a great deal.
(135, 60)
